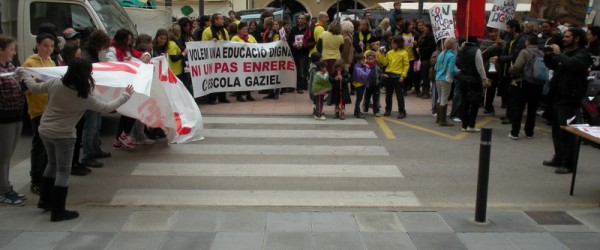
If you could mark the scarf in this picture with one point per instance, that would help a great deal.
(122, 51)
(243, 37)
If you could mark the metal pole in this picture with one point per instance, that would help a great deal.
(337, 9)
(420, 15)
(483, 175)
(200, 8)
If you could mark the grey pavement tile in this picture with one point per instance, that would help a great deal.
(579, 241)
(288, 222)
(338, 241)
(514, 221)
(378, 222)
(552, 218)
(567, 228)
(388, 240)
(21, 218)
(486, 241)
(35, 240)
(243, 222)
(333, 222)
(86, 240)
(534, 241)
(137, 240)
(197, 221)
(238, 241)
(464, 222)
(7, 236)
(104, 220)
(437, 241)
(150, 221)
(188, 241)
(590, 218)
(45, 225)
(423, 222)
(288, 241)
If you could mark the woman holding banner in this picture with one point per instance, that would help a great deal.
(242, 36)
(216, 32)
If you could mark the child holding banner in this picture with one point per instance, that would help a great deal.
(243, 37)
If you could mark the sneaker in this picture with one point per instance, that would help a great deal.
(387, 113)
(377, 114)
(456, 119)
(464, 129)
(79, 169)
(322, 118)
(489, 112)
(119, 145)
(11, 199)
(20, 196)
(144, 142)
(401, 115)
(512, 137)
(317, 117)
(101, 154)
(528, 137)
(92, 163)
(34, 188)
(125, 139)
(473, 130)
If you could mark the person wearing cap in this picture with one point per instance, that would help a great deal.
(72, 36)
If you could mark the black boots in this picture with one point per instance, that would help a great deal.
(45, 201)
(59, 198)
(442, 112)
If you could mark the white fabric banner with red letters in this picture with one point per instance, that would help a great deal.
(223, 66)
(160, 99)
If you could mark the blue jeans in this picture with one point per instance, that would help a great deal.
(91, 134)
(60, 155)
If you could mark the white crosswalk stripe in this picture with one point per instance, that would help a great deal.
(279, 121)
(270, 170)
(269, 150)
(282, 133)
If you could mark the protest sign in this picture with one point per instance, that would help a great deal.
(502, 12)
(223, 66)
(160, 99)
(442, 21)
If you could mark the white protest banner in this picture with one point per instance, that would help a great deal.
(223, 66)
(502, 12)
(160, 99)
(442, 21)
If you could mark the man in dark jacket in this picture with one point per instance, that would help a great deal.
(567, 89)
(515, 42)
(299, 52)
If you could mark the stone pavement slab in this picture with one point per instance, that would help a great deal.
(137, 240)
(7, 236)
(333, 222)
(437, 241)
(197, 221)
(387, 241)
(590, 218)
(188, 241)
(536, 241)
(103, 219)
(35, 240)
(378, 222)
(486, 241)
(238, 240)
(430, 222)
(288, 241)
(579, 241)
(150, 221)
(21, 218)
(338, 241)
(463, 222)
(243, 222)
(86, 240)
(513, 221)
(288, 222)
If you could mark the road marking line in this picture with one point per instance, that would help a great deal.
(262, 198)
(459, 136)
(267, 170)
(288, 133)
(227, 149)
(385, 128)
(279, 120)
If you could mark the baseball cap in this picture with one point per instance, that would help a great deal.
(69, 33)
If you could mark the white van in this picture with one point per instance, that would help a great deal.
(21, 19)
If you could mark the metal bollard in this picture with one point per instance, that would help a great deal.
(483, 175)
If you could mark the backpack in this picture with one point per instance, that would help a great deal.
(309, 40)
(535, 71)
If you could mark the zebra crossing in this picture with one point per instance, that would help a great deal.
(267, 147)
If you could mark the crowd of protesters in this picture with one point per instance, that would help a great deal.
(345, 58)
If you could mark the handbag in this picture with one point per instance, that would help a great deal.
(417, 65)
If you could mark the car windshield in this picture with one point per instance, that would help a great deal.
(113, 16)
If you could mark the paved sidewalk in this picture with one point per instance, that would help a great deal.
(183, 228)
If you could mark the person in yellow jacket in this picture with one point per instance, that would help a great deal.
(216, 32)
(323, 18)
(36, 104)
(396, 62)
(242, 36)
